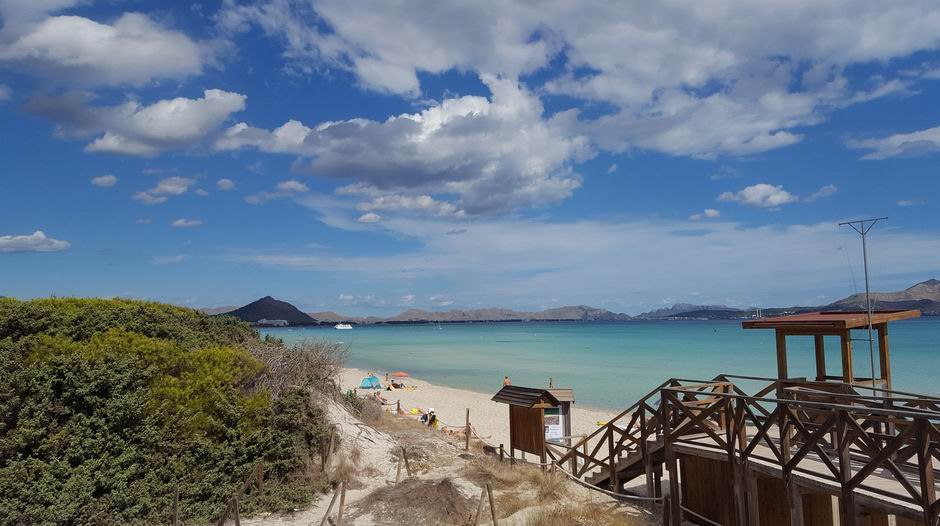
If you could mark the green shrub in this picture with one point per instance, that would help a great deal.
(102, 416)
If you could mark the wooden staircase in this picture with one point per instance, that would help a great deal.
(630, 467)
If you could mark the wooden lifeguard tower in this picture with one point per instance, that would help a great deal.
(835, 323)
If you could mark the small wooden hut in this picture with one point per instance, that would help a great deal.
(527, 417)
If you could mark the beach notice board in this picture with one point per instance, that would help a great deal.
(554, 424)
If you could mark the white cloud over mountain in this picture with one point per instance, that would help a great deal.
(501, 261)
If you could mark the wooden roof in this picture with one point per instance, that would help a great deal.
(525, 396)
(829, 320)
(563, 394)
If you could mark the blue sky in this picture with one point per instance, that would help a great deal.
(379, 156)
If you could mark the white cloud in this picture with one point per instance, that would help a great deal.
(677, 80)
(143, 221)
(708, 213)
(911, 202)
(346, 297)
(134, 49)
(186, 223)
(5, 93)
(912, 144)
(761, 195)
(225, 184)
(825, 191)
(495, 154)
(104, 180)
(35, 242)
(407, 299)
(289, 188)
(169, 260)
(135, 129)
(201, 192)
(171, 186)
(612, 168)
(503, 262)
(370, 217)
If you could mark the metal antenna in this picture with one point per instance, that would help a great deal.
(862, 226)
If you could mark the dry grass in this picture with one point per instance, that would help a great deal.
(371, 412)
(344, 466)
(499, 475)
(313, 364)
(585, 514)
(548, 486)
(417, 502)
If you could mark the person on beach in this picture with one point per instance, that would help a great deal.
(506, 381)
(432, 419)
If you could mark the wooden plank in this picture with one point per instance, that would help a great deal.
(782, 355)
(705, 489)
(820, 509)
(848, 373)
(820, 346)
(884, 354)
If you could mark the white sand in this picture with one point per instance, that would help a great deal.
(488, 418)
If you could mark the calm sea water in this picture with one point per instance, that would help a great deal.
(611, 365)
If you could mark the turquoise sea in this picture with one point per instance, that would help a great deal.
(610, 365)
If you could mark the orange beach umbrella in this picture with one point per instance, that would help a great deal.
(400, 374)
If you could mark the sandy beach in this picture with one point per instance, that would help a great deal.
(488, 418)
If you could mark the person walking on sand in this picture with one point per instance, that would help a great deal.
(506, 381)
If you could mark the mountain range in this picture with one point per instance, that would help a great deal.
(924, 296)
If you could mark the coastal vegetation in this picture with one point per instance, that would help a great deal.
(107, 407)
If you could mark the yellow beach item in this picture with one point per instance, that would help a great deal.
(414, 410)
(601, 423)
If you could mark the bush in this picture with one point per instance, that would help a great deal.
(101, 416)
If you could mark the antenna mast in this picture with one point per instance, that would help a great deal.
(862, 226)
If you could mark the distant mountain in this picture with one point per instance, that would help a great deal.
(271, 310)
(572, 313)
(924, 296)
(681, 309)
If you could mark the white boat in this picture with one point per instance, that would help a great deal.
(342, 326)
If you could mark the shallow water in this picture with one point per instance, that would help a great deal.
(611, 365)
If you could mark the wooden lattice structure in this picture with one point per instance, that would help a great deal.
(824, 451)
(739, 458)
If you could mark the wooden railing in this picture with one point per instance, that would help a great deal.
(840, 438)
(880, 445)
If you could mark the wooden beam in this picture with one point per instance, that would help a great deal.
(782, 355)
(884, 354)
(820, 357)
(848, 373)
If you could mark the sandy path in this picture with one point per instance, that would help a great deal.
(489, 419)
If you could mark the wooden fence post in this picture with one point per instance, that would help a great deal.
(489, 493)
(501, 452)
(342, 503)
(398, 407)
(476, 519)
(398, 471)
(238, 521)
(407, 464)
(467, 446)
(326, 515)
(261, 477)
